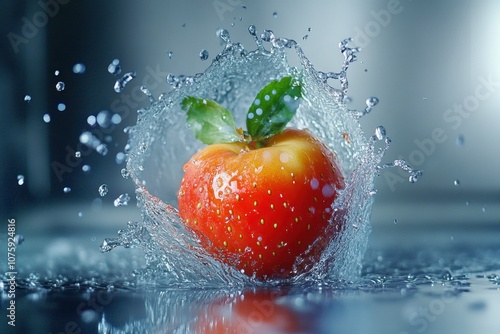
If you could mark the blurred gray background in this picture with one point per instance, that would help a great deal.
(432, 64)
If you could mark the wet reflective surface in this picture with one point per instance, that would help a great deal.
(414, 280)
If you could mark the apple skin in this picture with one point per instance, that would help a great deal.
(260, 206)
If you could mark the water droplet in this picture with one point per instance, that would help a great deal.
(223, 34)
(483, 208)
(115, 68)
(79, 68)
(78, 154)
(60, 86)
(252, 30)
(267, 35)
(104, 118)
(66, 189)
(123, 81)
(102, 149)
(125, 173)
(80, 214)
(275, 14)
(18, 239)
(103, 189)
(56, 72)
(380, 132)
(61, 107)
(27, 98)
(170, 54)
(86, 168)
(456, 182)
(460, 140)
(371, 102)
(116, 119)
(203, 54)
(120, 158)
(395, 221)
(20, 179)
(122, 200)
(46, 118)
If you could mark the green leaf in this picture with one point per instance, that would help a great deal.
(210, 121)
(274, 106)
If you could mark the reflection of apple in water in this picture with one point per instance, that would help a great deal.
(254, 312)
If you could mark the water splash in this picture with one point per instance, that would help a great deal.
(159, 145)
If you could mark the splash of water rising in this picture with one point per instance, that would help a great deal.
(160, 144)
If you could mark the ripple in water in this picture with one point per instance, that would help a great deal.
(160, 144)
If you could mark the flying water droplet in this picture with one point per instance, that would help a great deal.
(456, 182)
(20, 179)
(170, 54)
(86, 168)
(223, 34)
(60, 86)
(122, 200)
(56, 72)
(91, 120)
(79, 68)
(27, 98)
(203, 54)
(252, 30)
(18, 239)
(371, 102)
(380, 132)
(46, 118)
(104, 119)
(116, 119)
(120, 158)
(267, 35)
(275, 14)
(66, 189)
(61, 107)
(123, 81)
(88, 139)
(78, 154)
(115, 68)
(102, 149)
(460, 140)
(103, 189)
(395, 221)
